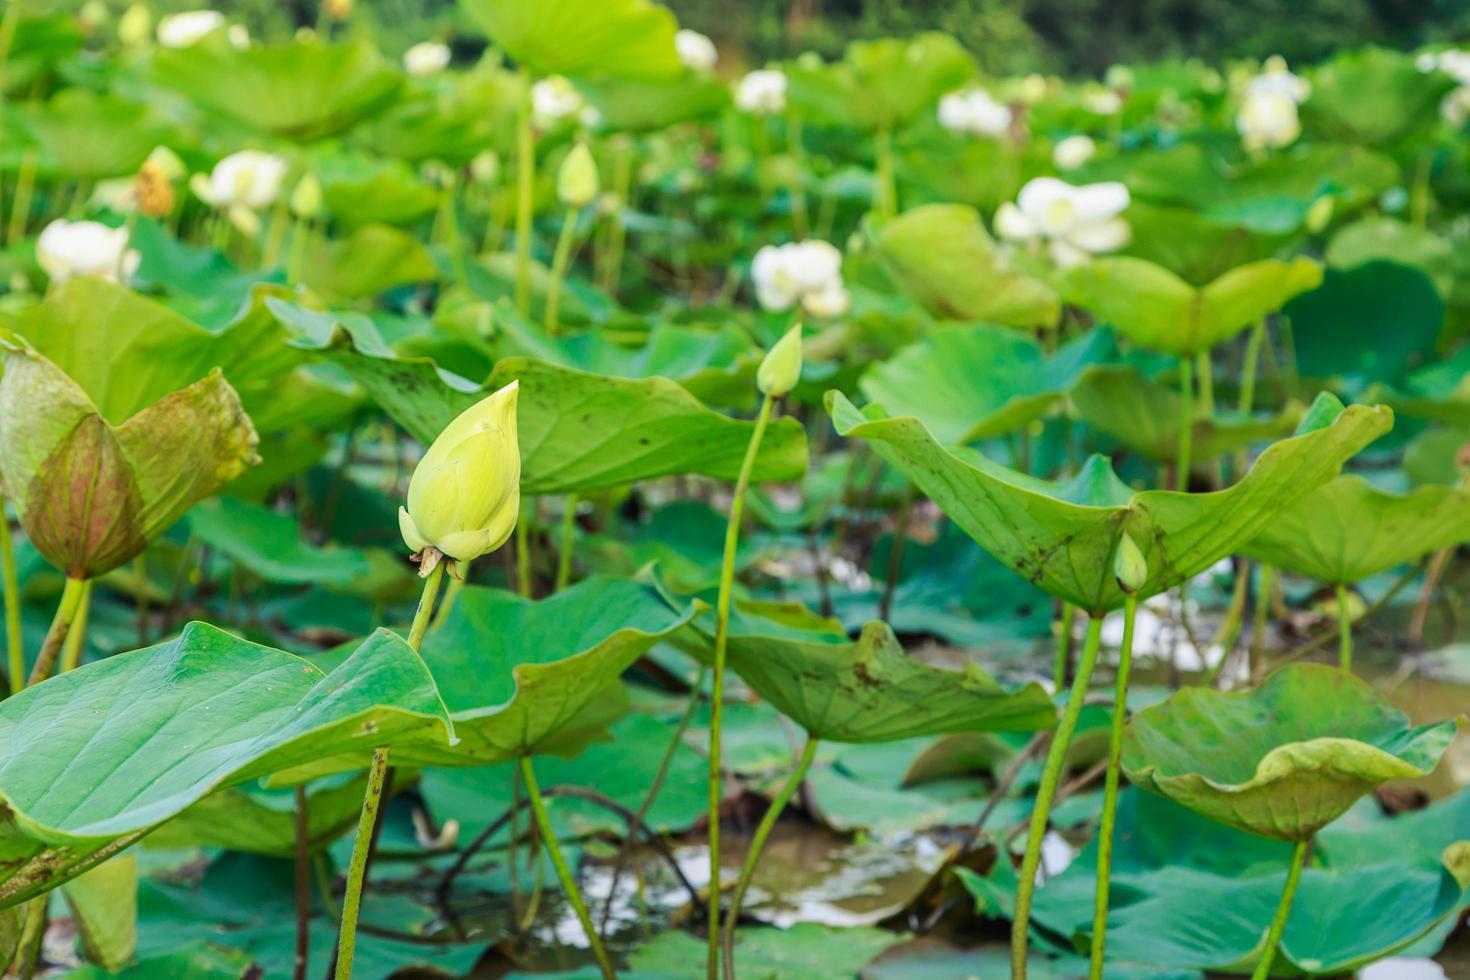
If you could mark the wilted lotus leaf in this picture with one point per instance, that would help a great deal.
(1347, 530)
(1281, 760)
(942, 256)
(618, 38)
(880, 84)
(1062, 536)
(93, 494)
(1155, 308)
(300, 90)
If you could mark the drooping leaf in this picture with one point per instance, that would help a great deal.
(1439, 391)
(1281, 760)
(360, 190)
(620, 38)
(1062, 536)
(1194, 246)
(1377, 238)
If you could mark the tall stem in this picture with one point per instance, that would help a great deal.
(303, 884)
(758, 842)
(717, 687)
(622, 189)
(1186, 423)
(1050, 776)
(525, 184)
(886, 199)
(1064, 647)
(1258, 625)
(372, 799)
(564, 873)
(76, 637)
(66, 610)
(559, 262)
(564, 552)
(1110, 790)
(1283, 910)
(14, 645)
(1344, 630)
(523, 548)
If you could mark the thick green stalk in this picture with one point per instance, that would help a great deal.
(66, 611)
(622, 189)
(1283, 910)
(568, 533)
(525, 185)
(76, 637)
(563, 872)
(1110, 791)
(1344, 630)
(1064, 646)
(1051, 775)
(758, 842)
(14, 645)
(717, 687)
(559, 262)
(1186, 424)
(20, 202)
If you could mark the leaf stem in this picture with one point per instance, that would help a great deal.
(886, 198)
(1344, 630)
(1110, 790)
(564, 552)
(523, 548)
(1283, 910)
(525, 178)
(563, 872)
(1261, 615)
(1064, 649)
(1186, 424)
(76, 637)
(66, 611)
(1051, 775)
(758, 842)
(14, 644)
(357, 870)
(560, 259)
(303, 883)
(717, 687)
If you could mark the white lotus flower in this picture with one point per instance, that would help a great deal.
(1267, 120)
(426, 58)
(974, 112)
(249, 179)
(809, 273)
(1104, 102)
(189, 27)
(67, 249)
(1277, 79)
(1073, 152)
(696, 50)
(238, 36)
(762, 92)
(1452, 62)
(1456, 106)
(553, 100)
(1075, 222)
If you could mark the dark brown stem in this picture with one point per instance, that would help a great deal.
(303, 885)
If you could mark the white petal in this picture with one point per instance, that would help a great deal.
(1012, 225)
(1040, 195)
(1101, 236)
(1099, 202)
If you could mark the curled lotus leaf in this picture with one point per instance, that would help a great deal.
(92, 494)
(1061, 536)
(1284, 759)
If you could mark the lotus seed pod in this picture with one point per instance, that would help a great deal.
(781, 368)
(465, 494)
(576, 183)
(1129, 565)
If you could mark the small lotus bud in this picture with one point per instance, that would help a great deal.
(485, 167)
(135, 26)
(577, 184)
(1129, 566)
(465, 494)
(781, 368)
(1319, 215)
(306, 199)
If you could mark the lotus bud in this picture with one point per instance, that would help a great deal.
(485, 167)
(781, 368)
(306, 199)
(1319, 215)
(1130, 568)
(135, 26)
(465, 494)
(576, 183)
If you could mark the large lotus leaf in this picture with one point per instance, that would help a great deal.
(1371, 322)
(87, 136)
(942, 256)
(359, 190)
(1157, 309)
(1373, 96)
(302, 89)
(97, 757)
(880, 84)
(1377, 238)
(1062, 536)
(521, 677)
(871, 690)
(370, 260)
(1282, 760)
(40, 42)
(261, 820)
(270, 545)
(1144, 416)
(620, 38)
(807, 949)
(450, 122)
(968, 383)
(104, 907)
(1438, 391)
(633, 105)
(1194, 246)
(1347, 530)
(935, 166)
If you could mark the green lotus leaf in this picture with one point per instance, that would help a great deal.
(1061, 536)
(87, 136)
(1439, 391)
(1284, 759)
(104, 906)
(360, 190)
(450, 123)
(1373, 96)
(261, 820)
(523, 677)
(935, 166)
(368, 261)
(807, 949)
(1155, 308)
(92, 494)
(1144, 416)
(1347, 530)
(301, 90)
(269, 544)
(1195, 246)
(41, 42)
(1377, 238)
(633, 105)
(618, 38)
(880, 84)
(218, 712)
(969, 383)
(942, 256)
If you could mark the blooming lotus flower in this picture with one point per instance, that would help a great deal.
(426, 58)
(1277, 79)
(762, 92)
(249, 179)
(696, 50)
(1268, 120)
(809, 273)
(553, 100)
(67, 249)
(190, 27)
(1075, 222)
(465, 494)
(975, 113)
(1073, 152)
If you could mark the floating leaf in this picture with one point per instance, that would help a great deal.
(620, 38)
(804, 950)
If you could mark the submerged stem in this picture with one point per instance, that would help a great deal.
(1110, 790)
(1283, 910)
(1344, 630)
(66, 611)
(563, 872)
(1050, 776)
(14, 644)
(717, 687)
